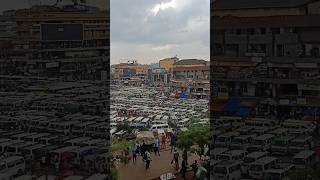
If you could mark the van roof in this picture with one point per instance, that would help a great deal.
(219, 150)
(23, 135)
(279, 130)
(257, 154)
(35, 146)
(38, 135)
(228, 163)
(78, 139)
(284, 138)
(304, 154)
(11, 158)
(64, 149)
(264, 136)
(11, 142)
(235, 152)
(265, 160)
(302, 138)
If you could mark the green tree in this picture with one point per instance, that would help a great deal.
(195, 135)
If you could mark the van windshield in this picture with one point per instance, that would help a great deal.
(26, 151)
(11, 149)
(2, 167)
(248, 160)
(238, 141)
(223, 157)
(298, 161)
(279, 143)
(258, 142)
(273, 176)
(256, 167)
(221, 139)
(77, 128)
(220, 170)
(297, 143)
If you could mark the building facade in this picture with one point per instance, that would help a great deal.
(62, 42)
(267, 56)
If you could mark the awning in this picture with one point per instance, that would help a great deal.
(232, 104)
(280, 65)
(243, 111)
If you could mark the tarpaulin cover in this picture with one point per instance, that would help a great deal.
(232, 104)
(243, 111)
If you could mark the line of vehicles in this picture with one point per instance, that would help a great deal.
(19, 148)
(140, 109)
(75, 124)
(261, 148)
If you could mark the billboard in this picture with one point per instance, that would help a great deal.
(61, 32)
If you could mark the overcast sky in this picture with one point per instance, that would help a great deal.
(149, 30)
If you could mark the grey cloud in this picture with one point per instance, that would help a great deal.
(185, 30)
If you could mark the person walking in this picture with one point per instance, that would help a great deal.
(176, 158)
(183, 169)
(163, 141)
(143, 149)
(147, 159)
(173, 141)
(126, 156)
(134, 153)
(194, 168)
(157, 146)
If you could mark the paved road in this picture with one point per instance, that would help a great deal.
(159, 165)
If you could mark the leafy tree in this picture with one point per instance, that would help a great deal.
(125, 126)
(195, 135)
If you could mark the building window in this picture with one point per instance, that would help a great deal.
(280, 50)
(276, 30)
(238, 31)
(250, 31)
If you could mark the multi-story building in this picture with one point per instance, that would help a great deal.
(168, 62)
(7, 32)
(129, 70)
(191, 68)
(267, 51)
(69, 41)
(191, 76)
(159, 76)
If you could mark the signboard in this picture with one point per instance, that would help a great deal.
(284, 102)
(52, 65)
(61, 32)
(301, 101)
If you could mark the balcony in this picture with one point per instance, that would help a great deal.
(286, 38)
(260, 39)
(235, 39)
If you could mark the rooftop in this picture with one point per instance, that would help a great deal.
(254, 4)
(190, 62)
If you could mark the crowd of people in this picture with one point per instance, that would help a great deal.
(144, 151)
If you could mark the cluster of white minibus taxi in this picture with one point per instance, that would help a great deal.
(19, 148)
(153, 114)
(260, 148)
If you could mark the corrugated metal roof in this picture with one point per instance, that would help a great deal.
(190, 61)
